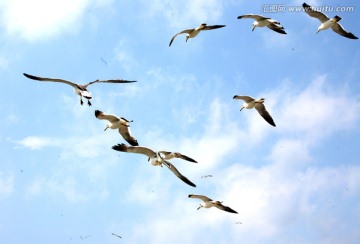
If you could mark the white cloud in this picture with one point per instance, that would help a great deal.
(39, 19)
(35, 142)
(290, 192)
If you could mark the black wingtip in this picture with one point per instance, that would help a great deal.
(29, 76)
(98, 113)
(306, 5)
(191, 184)
(240, 17)
(120, 147)
(133, 143)
(190, 195)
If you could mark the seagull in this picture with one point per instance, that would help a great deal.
(191, 33)
(259, 106)
(116, 235)
(206, 176)
(326, 22)
(261, 21)
(118, 123)
(208, 203)
(80, 90)
(157, 158)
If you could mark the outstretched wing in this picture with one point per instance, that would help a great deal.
(110, 81)
(277, 28)
(225, 208)
(247, 99)
(110, 117)
(211, 27)
(170, 155)
(177, 173)
(337, 27)
(135, 149)
(202, 197)
(125, 132)
(51, 79)
(181, 32)
(315, 14)
(265, 114)
(252, 16)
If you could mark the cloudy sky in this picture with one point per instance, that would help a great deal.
(60, 181)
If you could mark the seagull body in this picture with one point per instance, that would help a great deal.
(327, 22)
(157, 158)
(120, 123)
(208, 203)
(258, 105)
(80, 90)
(191, 33)
(261, 21)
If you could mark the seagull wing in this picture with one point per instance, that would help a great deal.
(247, 99)
(110, 81)
(211, 27)
(337, 27)
(110, 117)
(315, 14)
(135, 149)
(252, 16)
(177, 173)
(125, 132)
(277, 28)
(181, 32)
(51, 79)
(204, 198)
(265, 114)
(225, 208)
(170, 155)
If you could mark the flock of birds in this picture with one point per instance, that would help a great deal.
(161, 158)
(261, 21)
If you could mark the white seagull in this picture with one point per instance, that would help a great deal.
(258, 105)
(120, 123)
(208, 203)
(326, 22)
(261, 21)
(80, 90)
(191, 33)
(158, 158)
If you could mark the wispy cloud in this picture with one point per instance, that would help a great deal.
(291, 191)
(39, 19)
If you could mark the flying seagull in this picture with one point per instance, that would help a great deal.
(120, 123)
(80, 90)
(326, 22)
(261, 21)
(191, 33)
(116, 235)
(208, 203)
(258, 105)
(157, 158)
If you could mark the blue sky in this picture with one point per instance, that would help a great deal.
(60, 180)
